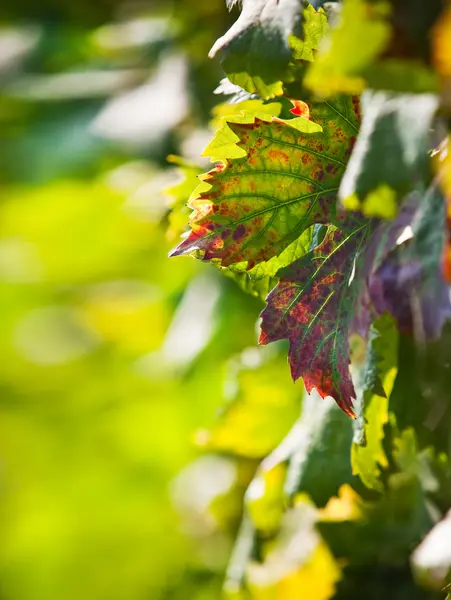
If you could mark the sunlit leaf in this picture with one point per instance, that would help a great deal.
(386, 530)
(378, 372)
(346, 506)
(287, 180)
(314, 27)
(261, 279)
(222, 112)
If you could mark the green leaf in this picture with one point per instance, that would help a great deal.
(224, 144)
(373, 390)
(391, 151)
(379, 45)
(314, 26)
(255, 50)
(260, 280)
(420, 396)
(257, 205)
(268, 42)
(224, 111)
(320, 463)
(258, 287)
(387, 529)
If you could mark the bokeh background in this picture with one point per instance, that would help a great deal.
(118, 367)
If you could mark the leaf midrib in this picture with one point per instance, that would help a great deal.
(270, 208)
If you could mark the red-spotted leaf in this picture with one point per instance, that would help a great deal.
(312, 307)
(250, 208)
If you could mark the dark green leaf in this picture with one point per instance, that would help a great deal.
(269, 43)
(391, 152)
(321, 462)
(255, 49)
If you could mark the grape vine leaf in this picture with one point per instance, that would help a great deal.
(249, 106)
(374, 385)
(312, 307)
(261, 47)
(407, 281)
(255, 49)
(387, 530)
(391, 151)
(409, 284)
(252, 207)
(314, 26)
(401, 274)
(320, 461)
(420, 396)
(380, 45)
(260, 280)
(235, 92)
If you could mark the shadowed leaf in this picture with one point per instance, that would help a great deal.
(407, 282)
(391, 150)
(320, 462)
(269, 40)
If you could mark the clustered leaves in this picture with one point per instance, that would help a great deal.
(340, 214)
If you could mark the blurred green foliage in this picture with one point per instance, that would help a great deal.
(142, 430)
(100, 371)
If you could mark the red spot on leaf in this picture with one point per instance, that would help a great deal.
(300, 109)
(279, 155)
(239, 232)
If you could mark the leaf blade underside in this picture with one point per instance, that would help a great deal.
(312, 307)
